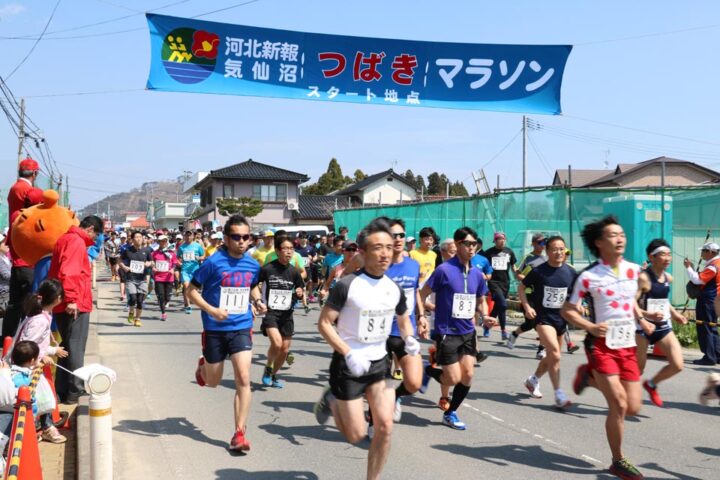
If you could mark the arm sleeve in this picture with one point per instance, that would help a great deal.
(487, 268)
(70, 271)
(578, 289)
(482, 289)
(529, 279)
(401, 307)
(299, 283)
(202, 274)
(338, 294)
(436, 280)
(707, 274)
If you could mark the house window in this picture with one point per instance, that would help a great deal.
(228, 191)
(270, 193)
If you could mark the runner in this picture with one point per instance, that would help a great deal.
(190, 253)
(215, 242)
(501, 259)
(460, 292)
(283, 286)
(363, 304)
(135, 262)
(229, 299)
(610, 286)
(349, 251)
(654, 300)
(164, 262)
(121, 272)
(267, 247)
(548, 284)
(112, 254)
(308, 254)
(533, 259)
(424, 255)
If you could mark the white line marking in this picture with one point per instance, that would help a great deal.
(591, 459)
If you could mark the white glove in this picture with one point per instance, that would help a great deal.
(412, 346)
(357, 363)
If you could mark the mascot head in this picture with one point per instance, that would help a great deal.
(36, 229)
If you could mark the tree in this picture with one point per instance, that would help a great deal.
(359, 176)
(333, 179)
(246, 206)
(458, 189)
(420, 183)
(409, 176)
(437, 184)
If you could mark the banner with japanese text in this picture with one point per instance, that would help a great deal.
(209, 57)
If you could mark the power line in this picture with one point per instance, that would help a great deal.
(32, 49)
(544, 164)
(76, 94)
(647, 35)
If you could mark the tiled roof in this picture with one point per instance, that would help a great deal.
(318, 206)
(356, 187)
(580, 177)
(252, 170)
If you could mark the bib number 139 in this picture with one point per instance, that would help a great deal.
(620, 334)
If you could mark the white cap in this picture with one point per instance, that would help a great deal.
(712, 246)
(123, 235)
(409, 239)
(179, 235)
(217, 236)
(162, 237)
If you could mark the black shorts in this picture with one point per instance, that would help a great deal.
(395, 345)
(113, 261)
(219, 345)
(451, 347)
(347, 387)
(286, 327)
(656, 336)
(122, 274)
(314, 272)
(560, 327)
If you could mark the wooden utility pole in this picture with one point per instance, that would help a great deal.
(524, 155)
(21, 132)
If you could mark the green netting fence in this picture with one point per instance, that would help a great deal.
(682, 216)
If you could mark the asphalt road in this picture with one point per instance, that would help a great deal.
(167, 427)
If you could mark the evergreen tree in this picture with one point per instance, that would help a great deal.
(359, 176)
(333, 179)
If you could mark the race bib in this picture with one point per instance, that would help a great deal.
(463, 305)
(136, 266)
(554, 297)
(279, 299)
(659, 305)
(188, 256)
(410, 299)
(162, 266)
(620, 334)
(499, 263)
(374, 325)
(234, 299)
(306, 261)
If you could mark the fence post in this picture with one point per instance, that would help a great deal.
(100, 412)
(94, 274)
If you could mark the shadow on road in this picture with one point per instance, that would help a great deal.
(168, 426)
(531, 456)
(578, 410)
(658, 468)
(315, 432)
(279, 406)
(709, 451)
(692, 407)
(234, 474)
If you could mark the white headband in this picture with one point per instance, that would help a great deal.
(660, 249)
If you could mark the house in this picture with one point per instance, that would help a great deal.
(384, 188)
(277, 188)
(169, 215)
(678, 173)
(318, 209)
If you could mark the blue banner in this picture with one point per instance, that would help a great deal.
(208, 57)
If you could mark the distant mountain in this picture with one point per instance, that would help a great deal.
(136, 200)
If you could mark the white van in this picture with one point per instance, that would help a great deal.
(311, 230)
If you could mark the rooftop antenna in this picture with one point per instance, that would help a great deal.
(606, 162)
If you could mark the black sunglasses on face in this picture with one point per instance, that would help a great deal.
(351, 249)
(398, 235)
(237, 237)
(469, 243)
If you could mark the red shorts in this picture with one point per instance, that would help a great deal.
(607, 361)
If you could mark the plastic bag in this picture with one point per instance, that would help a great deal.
(44, 396)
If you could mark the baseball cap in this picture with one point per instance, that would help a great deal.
(162, 237)
(348, 244)
(123, 235)
(712, 246)
(217, 236)
(179, 235)
(268, 233)
(410, 239)
(537, 237)
(29, 164)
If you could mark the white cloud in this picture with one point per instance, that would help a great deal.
(11, 9)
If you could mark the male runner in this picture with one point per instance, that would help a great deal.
(112, 253)
(136, 262)
(190, 253)
(363, 304)
(424, 254)
(267, 247)
(535, 258)
(654, 301)
(460, 292)
(609, 286)
(501, 259)
(229, 299)
(548, 283)
(308, 254)
(283, 286)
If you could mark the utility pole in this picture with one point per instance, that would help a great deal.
(524, 155)
(21, 132)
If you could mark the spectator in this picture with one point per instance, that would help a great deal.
(5, 269)
(70, 265)
(709, 279)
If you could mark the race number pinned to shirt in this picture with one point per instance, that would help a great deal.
(162, 266)
(306, 261)
(410, 299)
(279, 299)
(659, 305)
(500, 262)
(463, 305)
(620, 334)
(554, 297)
(375, 325)
(234, 299)
(188, 256)
(136, 266)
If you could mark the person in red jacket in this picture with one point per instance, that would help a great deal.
(70, 264)
(22, 194)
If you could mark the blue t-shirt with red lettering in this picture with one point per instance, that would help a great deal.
(222, 270)
(407, 275)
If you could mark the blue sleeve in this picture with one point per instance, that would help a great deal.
(94, 250)
(436, 279)
(487, 268)
(202, 274)
(482, 290)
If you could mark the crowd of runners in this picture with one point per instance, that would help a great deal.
(380, 298)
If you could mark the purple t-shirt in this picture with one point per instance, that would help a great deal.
(447, 280)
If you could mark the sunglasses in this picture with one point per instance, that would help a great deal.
(237, 237)
(469, 243)
(542, 242)
(398, 235)
(351, 249)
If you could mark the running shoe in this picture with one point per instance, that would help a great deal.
(267, 377)
(397, 375)
(654, 395)
(624, 469)
(188, 310)
(307, 308)
(290, 359)
(504, 335)
(486, 332)
(533, 387)
(710, 392)
(425, 379)
(397, 411)
(580, 382)
(451, 420)
(511, 341)
(444, 403)
(239, 442)
(481, 357)
(137, 323)
(562, 402)
(541, 353)
(198, 376)
(312, 299)
(572, 348)
(321, 409)
(163, 317)
(276, 383)
(131, 318)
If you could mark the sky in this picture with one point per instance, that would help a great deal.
(641, 82)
